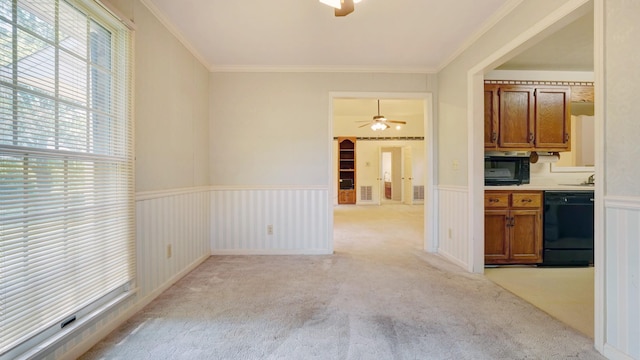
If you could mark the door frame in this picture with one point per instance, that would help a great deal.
(430, 240)
(475, 122)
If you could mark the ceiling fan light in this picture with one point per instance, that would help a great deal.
(378, 126)
(332, 3)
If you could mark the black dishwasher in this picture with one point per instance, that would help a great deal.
(568, 228)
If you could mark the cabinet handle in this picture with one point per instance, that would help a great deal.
(566, 137)
(531, 137)
(492, 200)
(513, 221)
(509, 221)
(494, 136)
(526, 200)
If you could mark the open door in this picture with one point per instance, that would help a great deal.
(407, 176)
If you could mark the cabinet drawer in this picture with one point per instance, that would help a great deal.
(499, 200)
(526, 200)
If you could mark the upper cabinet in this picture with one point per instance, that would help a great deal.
(527, 117)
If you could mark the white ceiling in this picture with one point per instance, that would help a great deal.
(395, 35)
(568, 49)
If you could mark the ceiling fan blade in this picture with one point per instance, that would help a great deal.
(346, 8)
(396, 121)
(367, 124)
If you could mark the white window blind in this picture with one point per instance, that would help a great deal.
(66, 164)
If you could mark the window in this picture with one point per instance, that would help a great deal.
(66, 164)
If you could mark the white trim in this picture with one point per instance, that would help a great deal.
(452, 259)
(490, 23)
(267, 187)
(155, 194)
(87, 343)
(430, 214)
(226, 252)
(600, 307)
(614, 354)
(319, 69)
(453, 188)
(172, 29)
(537, 75)
(622, 202)
(107, 6)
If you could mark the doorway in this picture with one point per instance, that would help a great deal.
(396, 165)
(351, 116)
(475, 82)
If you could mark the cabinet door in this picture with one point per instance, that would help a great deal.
(552, 118)
(516, 117)
(525, 236)
(496, 237)
(490, 117)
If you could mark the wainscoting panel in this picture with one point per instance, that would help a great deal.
(622, 277)
(270, 221)
(180, 218)
(172, 234)
(453, 239)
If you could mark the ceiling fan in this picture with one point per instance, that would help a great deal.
(342, 7)
(379, 122)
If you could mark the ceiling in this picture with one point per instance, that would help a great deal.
(568, 49)
(394, 35)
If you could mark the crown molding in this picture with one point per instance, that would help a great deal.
(320, 69)
(174, 31)
(499, 15)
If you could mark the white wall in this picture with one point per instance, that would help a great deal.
(171, 109)
(273, 128)
(621, 190)
(171, 115)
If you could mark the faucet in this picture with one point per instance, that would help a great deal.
(591, 179)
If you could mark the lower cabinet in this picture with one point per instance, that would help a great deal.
(347, 196)
(512, 227)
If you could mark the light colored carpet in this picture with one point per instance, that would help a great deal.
(564, 293)
(378, 297)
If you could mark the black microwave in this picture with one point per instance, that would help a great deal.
(506, 170)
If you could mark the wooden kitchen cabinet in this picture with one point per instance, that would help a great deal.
(513, 227)
(527, 117)
(552, 118)
(516, 117)
(491, 117)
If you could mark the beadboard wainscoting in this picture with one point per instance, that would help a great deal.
(453, 239)
(180, 218)
(270, 220)
(622, 277)
(172, 236)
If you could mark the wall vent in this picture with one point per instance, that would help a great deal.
(418, 192)
(366, 193)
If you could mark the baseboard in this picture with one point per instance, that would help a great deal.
(453, 260)
(84, 345)
(614, 354)
(271, 252)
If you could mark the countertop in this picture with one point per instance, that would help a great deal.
(547, 187)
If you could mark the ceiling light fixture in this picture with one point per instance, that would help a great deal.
(379, 126)
(341, 7)
(332, 3)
